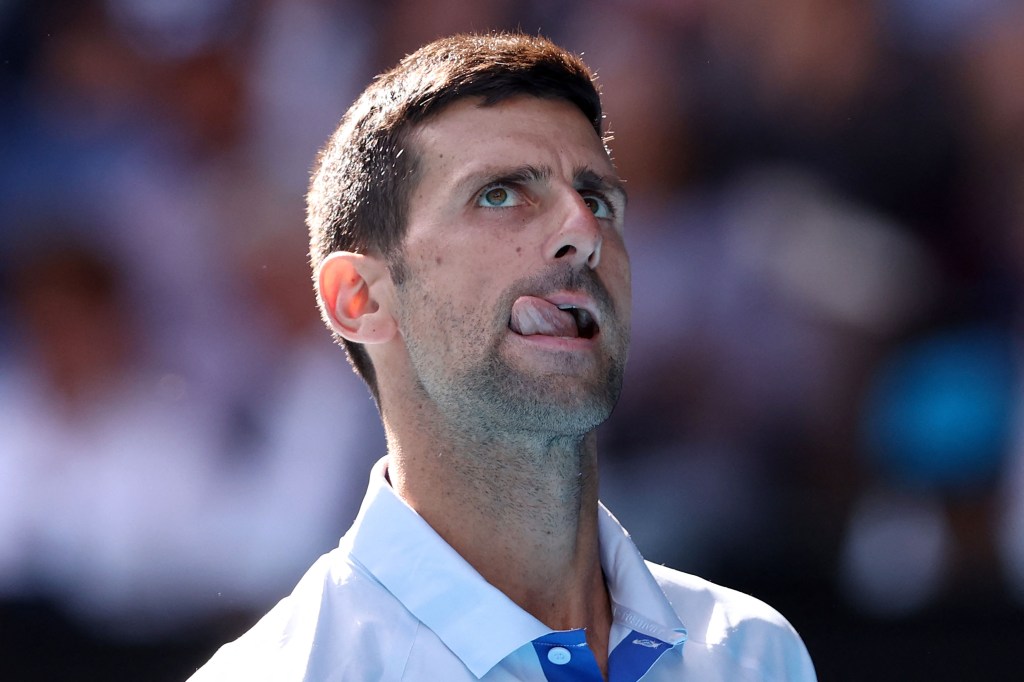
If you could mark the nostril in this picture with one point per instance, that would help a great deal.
(562, 251)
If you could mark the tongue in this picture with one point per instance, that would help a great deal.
(536, 316)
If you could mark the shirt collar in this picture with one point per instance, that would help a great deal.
(453, 600)
(637, 600)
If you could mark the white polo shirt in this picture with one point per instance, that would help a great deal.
(395, 602)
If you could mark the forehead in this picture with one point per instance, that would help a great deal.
(468, 136)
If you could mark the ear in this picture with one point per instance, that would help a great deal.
(355, 293)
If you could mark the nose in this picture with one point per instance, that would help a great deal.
(578, 238)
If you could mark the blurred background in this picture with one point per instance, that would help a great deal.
(824, 405)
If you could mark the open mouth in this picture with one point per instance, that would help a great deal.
(586, 325)
(532, 316)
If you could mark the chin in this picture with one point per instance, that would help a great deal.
(557, 406)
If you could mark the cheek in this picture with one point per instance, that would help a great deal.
(617, 277)
(484, 268)
(451, 292)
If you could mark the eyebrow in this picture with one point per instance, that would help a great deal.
(492, 175)
(586, 178)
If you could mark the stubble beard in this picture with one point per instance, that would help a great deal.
(502, 399)
(490, 400)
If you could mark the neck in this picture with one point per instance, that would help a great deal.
(522, 513)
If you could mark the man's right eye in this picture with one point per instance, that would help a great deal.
(498, 196)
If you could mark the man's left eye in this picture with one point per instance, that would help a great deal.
(598, 206)
(498, 196)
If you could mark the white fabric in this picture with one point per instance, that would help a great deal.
(395, 602)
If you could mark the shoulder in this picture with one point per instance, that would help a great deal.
(708, 606)
(723, 622)
(338, 623)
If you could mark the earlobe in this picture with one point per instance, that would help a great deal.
(352, 291)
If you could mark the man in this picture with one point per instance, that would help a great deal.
(467, 238)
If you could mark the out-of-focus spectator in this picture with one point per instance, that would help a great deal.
(105, 464)
(937, 426)
(821, 84)
(306, 431)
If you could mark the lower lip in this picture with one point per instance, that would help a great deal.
(565, 343)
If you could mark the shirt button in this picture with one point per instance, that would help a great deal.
(559, 655)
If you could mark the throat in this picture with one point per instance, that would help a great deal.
(526, 522)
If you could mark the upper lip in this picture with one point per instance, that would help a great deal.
(575, 299)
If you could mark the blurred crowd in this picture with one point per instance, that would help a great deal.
(824, 401)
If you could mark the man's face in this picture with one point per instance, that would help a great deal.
(514, 302)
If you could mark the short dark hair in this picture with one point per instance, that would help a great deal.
(359, 194)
